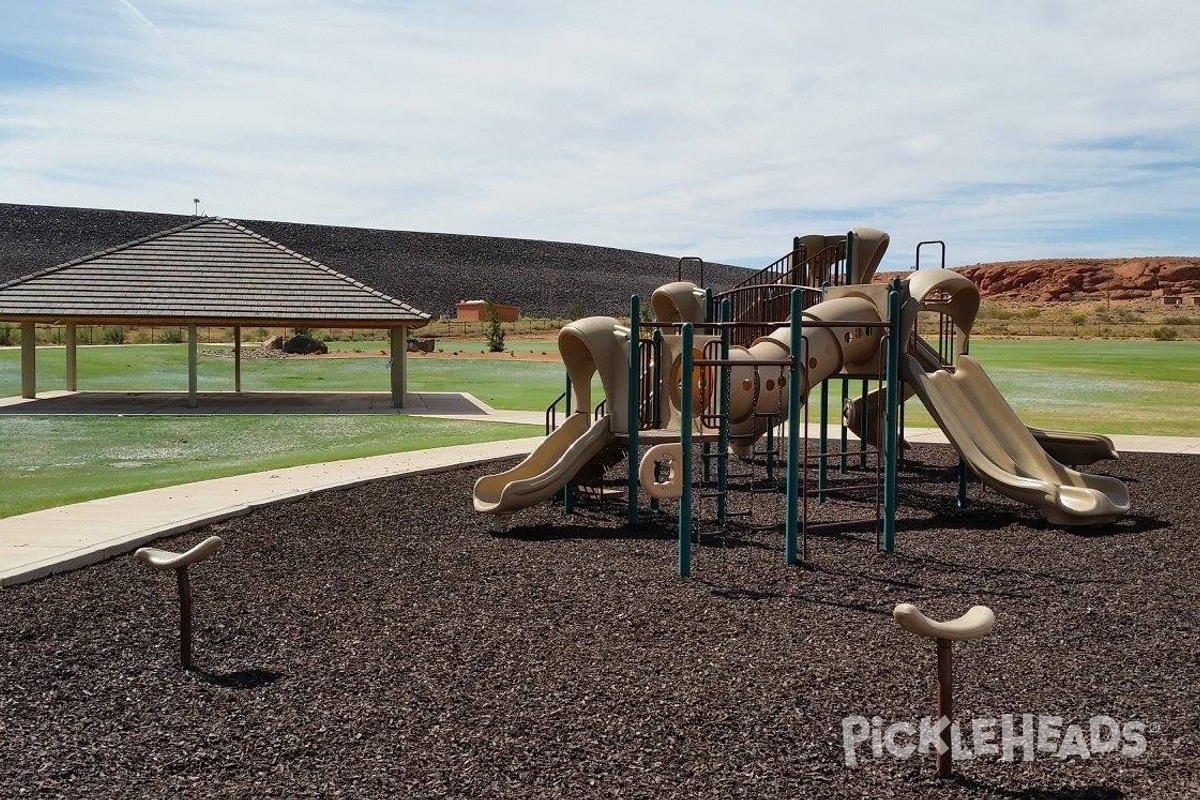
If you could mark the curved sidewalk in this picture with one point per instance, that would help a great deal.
(68, 537)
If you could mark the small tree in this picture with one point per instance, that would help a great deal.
(495, 333)
(577, 309)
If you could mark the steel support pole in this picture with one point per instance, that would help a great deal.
(823, 445)
(891, 432)
(635, 393)
(685, 459)
(845, 440)
(962, 483)
(791, 523)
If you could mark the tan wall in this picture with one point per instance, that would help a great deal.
(475, 312)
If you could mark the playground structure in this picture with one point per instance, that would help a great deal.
(728, 370)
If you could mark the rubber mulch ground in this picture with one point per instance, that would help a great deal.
(382, 642)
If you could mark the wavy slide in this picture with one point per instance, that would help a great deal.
(1068, 447)
(547, 469)
(1004, 453)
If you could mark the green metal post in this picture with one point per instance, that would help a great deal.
(891, 434)
(791, 524)
(656, 394)
(962, 483)
(845, 440)
(635, 374)
(685, 445)
(706, 447)
(862, 440)
(726, 311)
(822, 477)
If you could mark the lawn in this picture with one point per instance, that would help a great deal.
(163, 367)
(1135, 387)
(55, 460)
(1130, 387)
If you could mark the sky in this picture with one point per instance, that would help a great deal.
(1024, 129)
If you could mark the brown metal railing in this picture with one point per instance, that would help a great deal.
(763, 298)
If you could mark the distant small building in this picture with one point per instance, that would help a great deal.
(475, 311)
(1191, 299)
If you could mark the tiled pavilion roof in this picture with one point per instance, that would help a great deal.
(209, 271)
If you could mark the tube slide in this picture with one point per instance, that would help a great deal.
(755, 392)
(1002, 451)
(554, 463)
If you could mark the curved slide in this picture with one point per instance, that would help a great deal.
(547, 469)
(1067, 447)
(1004, 453)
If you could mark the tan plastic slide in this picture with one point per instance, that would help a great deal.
(1001, 450)
(547, 469)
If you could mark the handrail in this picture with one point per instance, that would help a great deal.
(552, 413)
(689, 259)
(776, 270)
(757, 310)
(938, 242)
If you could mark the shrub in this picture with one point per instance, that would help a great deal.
(6, 335)
(112, 334)
(577, 308)
(1176, 319)
(172, 335)
(494, 332)
(1165, 333)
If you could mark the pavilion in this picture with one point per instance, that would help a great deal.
(211, 271)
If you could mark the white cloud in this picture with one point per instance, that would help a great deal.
(1022, 130)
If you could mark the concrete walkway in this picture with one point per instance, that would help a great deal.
(68, 537)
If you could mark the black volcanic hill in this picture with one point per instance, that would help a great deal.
(432, 271)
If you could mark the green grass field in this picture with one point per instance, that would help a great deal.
(1136, 387)
(163, 367)
(55, 460)
(1131, 387)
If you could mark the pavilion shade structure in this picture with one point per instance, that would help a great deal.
(208, 272)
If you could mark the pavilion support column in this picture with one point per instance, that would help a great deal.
(28, 360)
(237, 358)
(72, 362)
(399, 344)
(193, 345)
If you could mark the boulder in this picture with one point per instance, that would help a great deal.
(302, 345)
(274, 343)
(424, 345)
